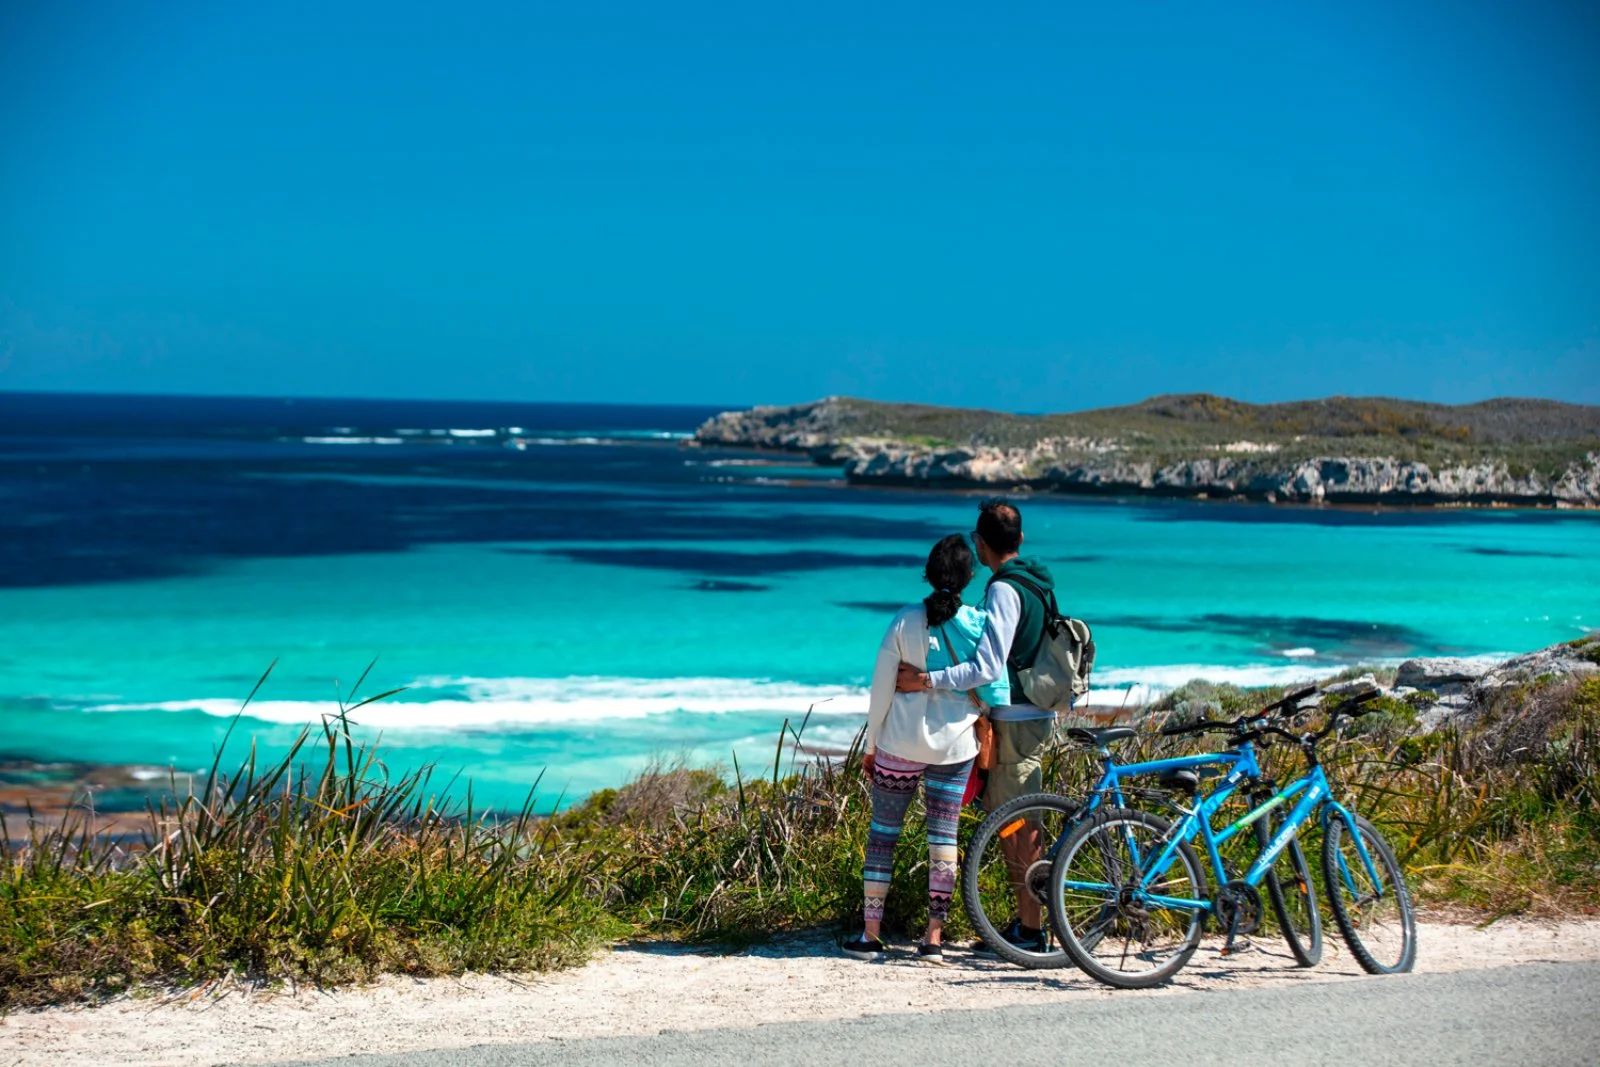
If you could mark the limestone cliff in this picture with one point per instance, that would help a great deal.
(1366, 452)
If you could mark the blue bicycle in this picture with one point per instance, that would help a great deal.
(1006, 869)
(1127, 892)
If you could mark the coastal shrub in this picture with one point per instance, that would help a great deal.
(749, 859)
(318, 867)
(321, 867)
(1202, 699)
(1388, 720)
(655, 796)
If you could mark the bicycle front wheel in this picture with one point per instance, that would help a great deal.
(1006, 872)
(1370, 904)
(1293, 900)
(1121, 923)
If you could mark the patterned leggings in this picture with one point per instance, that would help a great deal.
(894, 783)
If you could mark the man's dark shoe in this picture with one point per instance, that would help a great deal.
(862, 948)
(1017, 935)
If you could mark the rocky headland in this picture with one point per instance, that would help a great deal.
(1510, 700)
(1339, 450)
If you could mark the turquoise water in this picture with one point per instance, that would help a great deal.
(585, 653)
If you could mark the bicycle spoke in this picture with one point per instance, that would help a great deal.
(1117, 932)
(1369, 900)
(1005, 875)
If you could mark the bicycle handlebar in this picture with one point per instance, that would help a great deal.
(1210, 725)
(1349, 709)
(1293, 698)
(1246, 732)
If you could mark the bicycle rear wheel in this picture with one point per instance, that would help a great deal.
(1007, 867)
(1293, 900)
(1118, 931)
(1372, 908)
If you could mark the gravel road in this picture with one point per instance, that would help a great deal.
(1540, 1014)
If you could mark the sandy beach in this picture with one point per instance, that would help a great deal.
(647, 989)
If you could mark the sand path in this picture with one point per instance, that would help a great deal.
(651, 988)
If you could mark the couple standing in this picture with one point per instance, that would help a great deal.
(941, 666)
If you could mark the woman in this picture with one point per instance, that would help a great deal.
(926, 735)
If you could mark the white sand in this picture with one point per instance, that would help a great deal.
(647, 989)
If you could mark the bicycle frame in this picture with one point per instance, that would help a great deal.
(1312, 789)
(1110, 784)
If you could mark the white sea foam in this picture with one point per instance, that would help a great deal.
(353, 440)
(470, 703)
(608, 437)
(473, 433)
(1134, 686)
(1298, 653)
(477, 703)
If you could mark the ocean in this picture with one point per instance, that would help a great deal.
(572, 591)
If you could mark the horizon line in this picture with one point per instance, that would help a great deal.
(724, 407)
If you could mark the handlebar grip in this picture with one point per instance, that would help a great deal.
(1350, 706)
(1283, 702)
(1177, 729)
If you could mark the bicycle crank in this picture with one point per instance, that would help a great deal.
(1037, 880)
(1238, 907)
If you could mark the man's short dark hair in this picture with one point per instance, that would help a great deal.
(1000, 525)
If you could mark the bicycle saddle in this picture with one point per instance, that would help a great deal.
(1102, 737)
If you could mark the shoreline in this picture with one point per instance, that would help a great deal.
(1364, 452)
(1130, 493)
(647, 988)
(48, 794)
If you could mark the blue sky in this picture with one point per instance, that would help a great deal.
(1040, 207)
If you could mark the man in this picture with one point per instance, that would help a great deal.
(1022, 731)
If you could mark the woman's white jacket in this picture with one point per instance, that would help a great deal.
(933, 726)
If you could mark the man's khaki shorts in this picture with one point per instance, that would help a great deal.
(1018, 749)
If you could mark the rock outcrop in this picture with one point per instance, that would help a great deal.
(839, 432)
(1456, 692)
(814, 428)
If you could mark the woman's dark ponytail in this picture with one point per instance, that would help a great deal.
(949, 571)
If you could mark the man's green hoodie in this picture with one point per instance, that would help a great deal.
(1031, 574)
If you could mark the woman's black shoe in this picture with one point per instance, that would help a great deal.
(930, 953)
(863, 949)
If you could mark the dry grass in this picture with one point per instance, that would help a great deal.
(322, 868)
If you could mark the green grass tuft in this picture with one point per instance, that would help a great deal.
(321, 867)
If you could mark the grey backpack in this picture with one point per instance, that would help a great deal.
(1060, 671)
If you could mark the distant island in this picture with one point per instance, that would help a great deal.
(1341, 450)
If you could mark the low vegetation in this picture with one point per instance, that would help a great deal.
(1526, 435)
(322, 868)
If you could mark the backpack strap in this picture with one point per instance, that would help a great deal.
(955, 659)
(1047, 601)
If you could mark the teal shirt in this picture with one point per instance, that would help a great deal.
(964, 631)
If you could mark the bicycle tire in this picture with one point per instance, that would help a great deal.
(1098, 832)
(1337, 861)
(977, 868)
(1295, 904)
